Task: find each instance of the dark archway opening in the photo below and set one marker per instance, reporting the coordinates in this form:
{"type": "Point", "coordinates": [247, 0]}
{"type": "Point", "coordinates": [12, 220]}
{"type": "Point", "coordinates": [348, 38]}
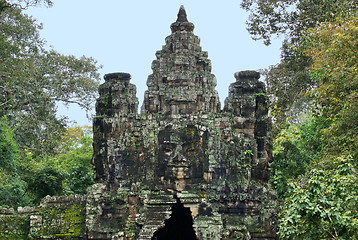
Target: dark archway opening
{"type": "Point", "coordinates": [178, 227]}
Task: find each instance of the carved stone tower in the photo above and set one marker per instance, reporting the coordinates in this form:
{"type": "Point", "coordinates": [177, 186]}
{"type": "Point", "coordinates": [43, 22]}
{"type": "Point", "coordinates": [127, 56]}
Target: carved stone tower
{"type": "Point", "coordinates": [183, 168]}
{"type": "Point", "coordinates": [181, 82]}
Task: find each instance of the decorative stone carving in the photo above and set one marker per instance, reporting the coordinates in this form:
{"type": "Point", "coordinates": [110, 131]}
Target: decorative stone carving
{"type": "Point", "coordinates": [182, 169]}
{"type": "Point", "coordinates": [183, 152]}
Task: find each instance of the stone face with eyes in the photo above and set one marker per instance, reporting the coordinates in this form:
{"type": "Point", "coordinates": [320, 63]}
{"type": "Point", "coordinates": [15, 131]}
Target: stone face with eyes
{"type": "Point", "coordinates": [181, 156]}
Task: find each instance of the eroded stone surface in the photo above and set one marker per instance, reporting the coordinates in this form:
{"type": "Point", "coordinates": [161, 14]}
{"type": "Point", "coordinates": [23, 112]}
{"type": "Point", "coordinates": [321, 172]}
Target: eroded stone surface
{"type": "Point", "coordinates": [182, 150]}
{"type": "Point", "coordinates": [184, 147]}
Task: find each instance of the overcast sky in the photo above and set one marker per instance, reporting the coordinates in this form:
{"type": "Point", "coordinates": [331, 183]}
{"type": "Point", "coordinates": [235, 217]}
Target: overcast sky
{"type": "Point", "coordinates": [123, 36]}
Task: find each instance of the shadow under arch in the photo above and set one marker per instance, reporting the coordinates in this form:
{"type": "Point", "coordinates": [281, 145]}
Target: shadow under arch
{"type": "Point", "coordinates": [179, 226]}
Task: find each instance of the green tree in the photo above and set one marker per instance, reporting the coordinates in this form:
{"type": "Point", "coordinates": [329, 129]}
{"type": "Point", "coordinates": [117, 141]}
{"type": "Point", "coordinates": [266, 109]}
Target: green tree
{"type": "Point", "coordinates": [75, 159]}
{"type": "Point", "coordinates": [23, 4]}
{"type": "Point", "coordinates": [288, 81]}
{"type": "Point", "coordinates": [323, 204]}
{"type": "Point", "coordinates": [12, 187]}
{"type": "Point", "coordinates": [68, 172]}
{"type": "Point", "coordinates": [295, 147]}
{"type": "Point", "coordinates": [34, 80]}
{"type": "Point", "coordinates": [333, 48]}
{"type": "Point", "coordinates": [43, 177]}
{"type": "Point", "coordinates": [319, 63]}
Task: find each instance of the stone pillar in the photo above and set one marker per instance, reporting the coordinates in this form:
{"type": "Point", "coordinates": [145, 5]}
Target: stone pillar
{"type": "Point", "coordinates": [247, 101]}
{"type": "Point", "coordinates": [117, 97]}
{"type": "Point", "coordinates": [116, 108]}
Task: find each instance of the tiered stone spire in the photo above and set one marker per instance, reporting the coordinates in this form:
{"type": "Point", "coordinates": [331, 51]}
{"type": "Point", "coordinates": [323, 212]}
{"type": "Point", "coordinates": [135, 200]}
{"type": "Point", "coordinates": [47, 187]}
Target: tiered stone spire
{"type": "Point", "coordinates": [182, 22]}
{"type": "Point", "coordinates": [182, 15]}
{"type": "Point", "coordinates": [181, 82]}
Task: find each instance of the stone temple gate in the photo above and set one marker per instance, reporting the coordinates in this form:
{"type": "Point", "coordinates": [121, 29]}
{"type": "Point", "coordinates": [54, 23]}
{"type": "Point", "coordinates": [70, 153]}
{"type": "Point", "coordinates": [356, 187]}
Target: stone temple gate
{"type": "Point", "coordinates": [183, 154]}
{"type": "Point", "coordinates": [184, 168]}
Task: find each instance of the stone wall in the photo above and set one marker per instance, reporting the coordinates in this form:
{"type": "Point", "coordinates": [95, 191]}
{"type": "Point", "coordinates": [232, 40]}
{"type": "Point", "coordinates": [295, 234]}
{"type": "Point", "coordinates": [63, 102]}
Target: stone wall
{"type": "Point", "coordinates": [55, 218]}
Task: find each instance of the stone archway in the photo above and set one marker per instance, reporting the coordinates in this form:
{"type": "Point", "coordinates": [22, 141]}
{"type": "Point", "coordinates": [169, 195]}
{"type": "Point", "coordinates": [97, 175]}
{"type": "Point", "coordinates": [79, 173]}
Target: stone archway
{"type": "Point", "coordinates": [179, 226]}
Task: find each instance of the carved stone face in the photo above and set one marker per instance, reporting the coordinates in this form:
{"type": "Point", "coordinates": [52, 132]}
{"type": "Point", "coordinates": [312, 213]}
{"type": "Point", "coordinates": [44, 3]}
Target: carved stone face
{"type": "Point", "coordinates": [181, 156]}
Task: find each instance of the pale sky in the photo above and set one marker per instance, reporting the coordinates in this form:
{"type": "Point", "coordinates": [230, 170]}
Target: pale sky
{"type": "Point", "coordinates": [123, 36]}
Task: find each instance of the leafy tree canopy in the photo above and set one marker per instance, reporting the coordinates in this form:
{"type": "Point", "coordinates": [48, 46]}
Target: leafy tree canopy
{"type": "Point", "coordinates": [292, 17]}
{"type": "Point", "coordinates": [318, 71]}
{"type": "Point", "coordinates": [323, 204]}
{"type": "Point", "coordinates": [34, 79]}
{"type": "Point", "coordinates": [23, 4]}
{"type": "Point", "coordinates": [289, 81]}
{"type": "Point", "coordinates": [66, 173]}
{"type": "Point", "coordinates": [333, 48]}
{"type": "Point", "coordinates": [25, 179]}
{"type": "Point", "coordinates": [294, 148]}
{"type": "Point", "coordinates": [39, 154]}
{"type": "Point", "coordinates": [12, 187]}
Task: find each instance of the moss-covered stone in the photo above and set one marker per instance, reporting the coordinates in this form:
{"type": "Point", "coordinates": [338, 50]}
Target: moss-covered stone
{"type": "Point", "coordinates": [183, 146]}
{"type": "Point", "coordinates": [14, 227]}
{"type": "Point", "coordinates": [183, 149]}
{"type": "Point", "coordinates": [59, 218]}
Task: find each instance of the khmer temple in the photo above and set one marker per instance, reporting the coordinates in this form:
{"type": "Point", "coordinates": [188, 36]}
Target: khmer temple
{"type": "Point", "coordinates": [182, 166]}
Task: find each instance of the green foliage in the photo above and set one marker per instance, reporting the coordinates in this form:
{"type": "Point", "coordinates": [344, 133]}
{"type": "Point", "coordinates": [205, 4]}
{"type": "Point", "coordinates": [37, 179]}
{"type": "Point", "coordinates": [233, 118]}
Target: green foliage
{"type": "Point", "coordinates": [43, 178]}
{"type": "Point", "coordinates": [25, 179]}
{"type": "Point", "coordinates": [75, 160]}
{"type": "Point", "coordinates": [292, 17]}
{"type": "Point", "coordinates": [288, 161]}
{"type": "Point", "coordinates": [333, 47]}
{"type": "Point", "coordinates": [323, 204]}
{"type": "Point", "coordinates": [318, 71]}
{"type": "Point", "coordinates": [288, 81]}
{"type": "Point", "coordinates": [34, 80]}
{"type": "Point", "coordinates": [23, 4]}
{"type": "Point", "coordinates": [294, 148]}
{"type": "Point", "coordinates": [35, 158]}
{"type": "Point", "coordinates": [12, 187]}
{"type": "Point", "coordinates": [68, 172]}
{"type": "Point", "coordinates": [14, 227]}
{"type": "Point", "coordinates": [8, 147]}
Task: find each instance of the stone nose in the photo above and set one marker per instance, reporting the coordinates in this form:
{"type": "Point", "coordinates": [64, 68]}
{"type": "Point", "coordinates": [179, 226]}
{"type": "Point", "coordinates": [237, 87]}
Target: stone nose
{"type": "Point", "coordinates": [179, 158]}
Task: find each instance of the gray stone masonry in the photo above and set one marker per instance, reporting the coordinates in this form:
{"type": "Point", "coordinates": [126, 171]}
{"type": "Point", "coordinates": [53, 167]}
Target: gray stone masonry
{"type": "Point", "coordinates": [181, 169]}
{"type": "Point", "coordinates": [183, 148]}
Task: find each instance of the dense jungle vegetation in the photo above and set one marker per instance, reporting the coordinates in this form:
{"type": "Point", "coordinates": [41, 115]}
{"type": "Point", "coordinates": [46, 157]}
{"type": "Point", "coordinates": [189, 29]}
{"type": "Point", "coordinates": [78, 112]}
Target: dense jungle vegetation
{"type": "Point", "coordinates": [39, 154]}
{"type": "Point", "coordinates": [313, 95]}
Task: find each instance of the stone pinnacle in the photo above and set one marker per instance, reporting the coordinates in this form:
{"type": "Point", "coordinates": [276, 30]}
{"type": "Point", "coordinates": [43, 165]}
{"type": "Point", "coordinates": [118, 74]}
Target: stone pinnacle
{"type": "Point", "coordinates": [182, 15]}
{"type": "Point", "coordinates": [182, 23]}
